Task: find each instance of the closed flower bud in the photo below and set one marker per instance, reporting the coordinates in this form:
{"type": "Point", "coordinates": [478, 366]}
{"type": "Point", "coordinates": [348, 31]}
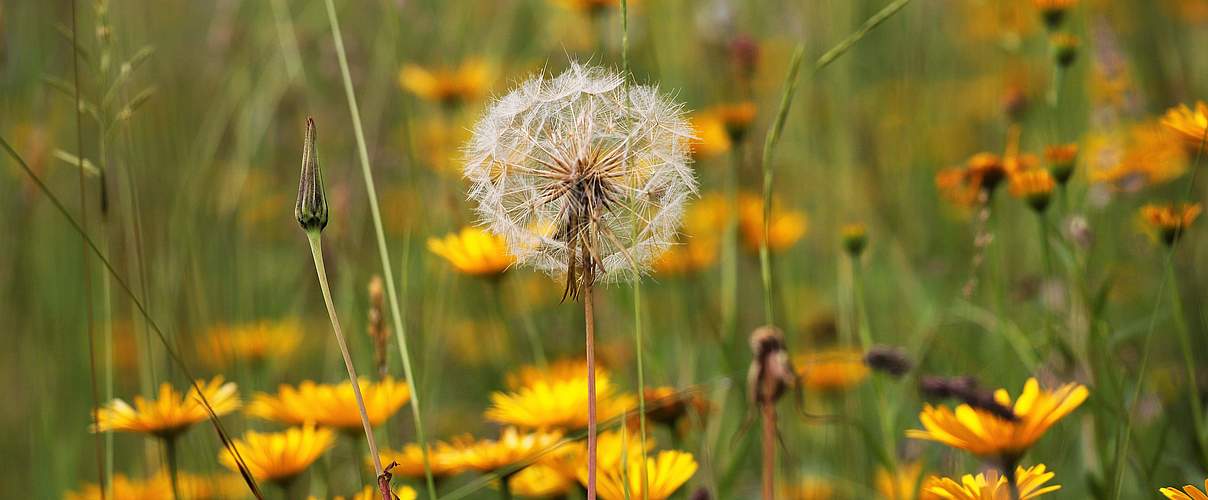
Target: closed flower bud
{"type": "Point", "coordinates": [1065, 49]}
{"type": "Point", "coordinates": [855, 239]}
{"type": "Point", "coordinates": [888, 360]}
{"type": "Point", "coordinates": [311, 209]}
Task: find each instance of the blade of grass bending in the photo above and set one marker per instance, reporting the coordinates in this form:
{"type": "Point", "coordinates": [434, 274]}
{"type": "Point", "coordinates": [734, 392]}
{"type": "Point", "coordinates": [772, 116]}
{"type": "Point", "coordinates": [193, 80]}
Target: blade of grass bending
{"type": "Point", "coordinates": [847, 43]}
{"type": "Point", "coordinates": [379, 233]}
{"type": "Point", "coordinates": [1126, 433]}
{"type": "Point", "coordinates": [129, 292]}
{"type": "Point", "coordinates": [769, 146]}
{"type": "Point", "coordinates": [102, 449]}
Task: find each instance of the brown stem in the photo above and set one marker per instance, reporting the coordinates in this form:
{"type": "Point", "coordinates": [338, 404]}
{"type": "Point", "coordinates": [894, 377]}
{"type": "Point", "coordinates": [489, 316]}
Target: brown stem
{"type": "Point", "coordinates": [589, 321]}
{"type": "Point", "coordinates": [769, 450]}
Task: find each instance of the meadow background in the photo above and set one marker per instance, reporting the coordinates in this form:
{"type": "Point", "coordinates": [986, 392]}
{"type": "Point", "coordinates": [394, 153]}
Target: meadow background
{"type": "Point", "coordinates": [196, 155]}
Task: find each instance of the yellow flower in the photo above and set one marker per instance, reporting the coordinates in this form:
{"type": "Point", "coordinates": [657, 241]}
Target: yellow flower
{"type": "Point", "coordinates": [986, 435]}
{"type": "Point", "coordinates": [784, 230]}
{"type": "Point", "coordinates": [1147, 155]}
{"type": "Point", "coordinates": [1170, 220]}
{"type": "Point", "coordinates": [123, 488]}
{"type": "Point", "coordinates": [588, 6]}
{"type": "Point", "coordinates": [1033, 186]}
{"type": "Point", "coordinates": [557, 404]}
{"type": "Point", "coordinates": [854, 238]}
{"type": "Point", "coordinates": [667, 405]}
{"type": "Point", "coordinates": [253, 342]}
{"type": "Point", "coordinates": [169, 414]}
{"type": "Point", "coordinates": [512, 447]}
{"type": "Point", "coordinates": [1060, 158]}
{"type": "Point", "coordinates": [832, 370]}
{"type": "Point", "coordinates": [448, 86]}
{"type": "Point", "coordinates": [539, 480]}
{"type": "Point", "coordinates": [440, 143]}
{"type": "Point", "coordinates": [903, 484]}
{"type": "Point", "coordinates": [1190, 125]}
{"type": "Point", "coordinates": [279, 456]}
{"type": "Point", "coordinates": [1190, 492]}
{"type": "Point", "coordinates": [331, 405]}
{"type": "Point", "coordinates": [473, 251]}
{"type": "Point", "coordinates": [444, 460]}
{"type": "Point", "coordinates": [562, 370]}
{"type": "Point", "coordinates": [372, 493]}
{"type": "Point", "coordinates": [810, 488]}
{"type": "Point", "coordinates": [990, 486]}
{"type": "Point", "coordinates": [665, 473]}
{"type": "Point", "coordinates": [612, 448]}
{"type": "Point", "coordinates": [693, 256]}
{"type": "Point", "coordinates": [719, 127]}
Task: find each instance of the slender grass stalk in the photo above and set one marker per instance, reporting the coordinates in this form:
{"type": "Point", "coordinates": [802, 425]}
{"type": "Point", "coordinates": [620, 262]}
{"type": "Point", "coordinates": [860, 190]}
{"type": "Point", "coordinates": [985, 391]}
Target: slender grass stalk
{"type": "Point", "coordinates": [638, 344]}
{"type": "Point", "coordinates": [142, 309]}
{"type": "Point", "coordinates": [316, 251]}
{"type": "Point", "coordinates": [729, 248]}
{"type": "Point", "coordinates": [383, 253]}
{"type": "Point", "coordinates": [1126, 432]}
{"type": "Point", "coordinates": [105, 448]}
{"type": "Point", "coordinates": [769, 146]}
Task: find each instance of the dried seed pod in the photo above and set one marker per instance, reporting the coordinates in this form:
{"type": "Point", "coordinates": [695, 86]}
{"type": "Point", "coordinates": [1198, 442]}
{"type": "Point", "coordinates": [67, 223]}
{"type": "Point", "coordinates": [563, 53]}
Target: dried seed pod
{"type": "Point", "coordinates": [771, 372]}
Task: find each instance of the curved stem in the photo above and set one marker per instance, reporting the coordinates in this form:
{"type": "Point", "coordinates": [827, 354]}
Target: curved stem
{"type": "Point", "coordinates": [379, 233]}
{"type": "Point", "coordinates": [316, 251]}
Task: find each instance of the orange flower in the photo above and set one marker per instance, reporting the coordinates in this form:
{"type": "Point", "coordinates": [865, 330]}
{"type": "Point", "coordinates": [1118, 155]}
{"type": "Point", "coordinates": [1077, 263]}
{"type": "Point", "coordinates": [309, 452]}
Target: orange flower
{"type": "Point", "coordinates": [448, 86]}
{"type": "Point", "coordinates": [1033, 186]}
{"type": "Point", "coordinates": [1188, 124]}
{"type": "Point", "coordinates": [1169, 220]}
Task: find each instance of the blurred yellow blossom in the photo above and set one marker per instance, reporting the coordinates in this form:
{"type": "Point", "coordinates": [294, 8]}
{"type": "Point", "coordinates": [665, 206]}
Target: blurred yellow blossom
{"type": "Point", "coordinates": [279, 456]}
{"type": "Point", "coordinates": [331, 405]}
{"type": "Point", "coordinates": [473, 251]}
{"type": "Point", "coordinates": [170, 413]}
{"type": "Point", "coordinates": [785, 229]}
{"type": "Point", "coordinates": [449, 86]}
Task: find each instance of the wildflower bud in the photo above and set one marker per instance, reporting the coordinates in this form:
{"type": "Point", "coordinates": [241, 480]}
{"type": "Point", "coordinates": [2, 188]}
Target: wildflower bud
{"type": "Point", "coordinates": [311, 209]}
{"type": "Point", "coordinates": [984, 400]}
{"type": "Point", "coordinates": [889, 360]}
{"type": "Point", "coordinates": [1171, 220]}
{"type": "Point", "coordinates": [1065, 49]}
{"type": "Point", "coordinates": [937, 387]}
{"type": "Point", "coordinates": [1053, 12]}
{"type": "Point", "coordinates": [1061, 158]}
{"type": "Point", "coordinates": [855, 239]}
{"type": "Point", "coordinates": [1033, 186]}
{"type": "Point", "coordinates": [744, 54]}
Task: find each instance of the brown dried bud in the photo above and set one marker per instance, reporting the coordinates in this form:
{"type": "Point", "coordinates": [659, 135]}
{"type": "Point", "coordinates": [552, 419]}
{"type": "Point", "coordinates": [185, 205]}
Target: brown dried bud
{"type": "Point", "coordinates": [378, 331]}
{"type": "Point", "coordinates": [966, 390]}
{"type": "Point", "coordinates": [311, 208]}
{"type": "Point", "coordinates": [889, 360]}
{"type": "Point", "coordinates": [771, 372]}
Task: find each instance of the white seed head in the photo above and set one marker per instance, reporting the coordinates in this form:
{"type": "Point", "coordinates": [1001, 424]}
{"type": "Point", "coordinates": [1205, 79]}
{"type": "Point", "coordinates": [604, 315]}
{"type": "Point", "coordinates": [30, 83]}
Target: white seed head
{"type": "Point", "coordinates": [579, 161]}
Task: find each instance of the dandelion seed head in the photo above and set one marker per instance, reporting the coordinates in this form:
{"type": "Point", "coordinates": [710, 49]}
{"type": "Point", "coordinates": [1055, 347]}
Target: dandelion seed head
{"type": "Point", "coordinates": [582, 160]}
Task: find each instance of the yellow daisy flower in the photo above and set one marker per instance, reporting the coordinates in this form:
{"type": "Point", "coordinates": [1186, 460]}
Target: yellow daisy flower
{"type": "Point", "coordinates": [123, 488]}
{"type": "Point", "coordinates": [903, 484]}
{"type": "Point", "coordinates": [252, 342]}
{"type": "Point", "coordinates": [1189, 492]}
{"type": "Point", "coordinates": [562, 370]}
{"type": "Point", "coordinates": [665, 473]}
{"type": "Point", "coordinates": [473, 251]}
{"type": "Point", "coordinates": [447, 86]}
{"type": "Point", "coordinates": [694, 256]}
{"type": "Point", "coordinates": [1144, 155]}
{"type": "Point", "coordinates": [588, 6]}
{"type": "Point", "coordinates": [512, 447]}
{"type": "Point", "coordinates": [832, 370]}
{"type": "Point", "coordinates": [990, 486]}
{"type": "Point", "coordinates": [372, 493]}
{"type": "Point", "coordinates": [809, 488]}
{"type": "Point", "coordinates": [1171, 220]}
{"type": "Point", "coordinates": [719, 127]}
{"type": "Point", "coordinates": [558, 404]}
{"type": "Point", "coordinates": [1061, 158]}
{"type": "Point", "coordinates": [1034, 187]}
{"type": "Point", "coordinates": [279, 456]}
{"type": "Point", "coordinates": [786, 227]}
{"type": "Point", "coordinates": [612, 448]}
{"type": "Point", "coordinates": [539, 481]}
{"type": "Point", "coordinates": [1188, 124]}
{"type": "Point", "coordinates": [986, 435]}
{"type": "Point", "coordinates": [331, 405]}
{"type": "Point", "coordinates": [170, 413]}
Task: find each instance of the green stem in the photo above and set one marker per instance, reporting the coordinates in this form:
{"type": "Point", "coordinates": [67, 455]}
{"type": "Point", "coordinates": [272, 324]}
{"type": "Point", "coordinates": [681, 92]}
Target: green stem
{"type": "Point", "coordinates": [1193, 388]}
{"type": "Point", "coordinates": [530, 333]}
{"type": "Point", "coordinates": [173, 478]}
{"type": "Point", "coordinates": [316, 251]}
{"type": "Point", "coordinates": [729, 248]}
{"type": "Point", "coordinates": [379, 233]}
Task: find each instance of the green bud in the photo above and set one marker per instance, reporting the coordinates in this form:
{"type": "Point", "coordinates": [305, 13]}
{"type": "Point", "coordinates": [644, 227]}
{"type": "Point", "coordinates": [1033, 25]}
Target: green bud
{"type": "Point", "coordinates": [311, 209]}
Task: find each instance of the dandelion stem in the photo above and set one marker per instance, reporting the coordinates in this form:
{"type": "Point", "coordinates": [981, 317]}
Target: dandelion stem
{"type": "Point", "coordinates": [769, 450]}
{"type": "Point", "coordinates": [379, 233]}
{"type": "Point", "coordinates": [589, 322]}
{"type": "Point", "coordinates": [316, 251]}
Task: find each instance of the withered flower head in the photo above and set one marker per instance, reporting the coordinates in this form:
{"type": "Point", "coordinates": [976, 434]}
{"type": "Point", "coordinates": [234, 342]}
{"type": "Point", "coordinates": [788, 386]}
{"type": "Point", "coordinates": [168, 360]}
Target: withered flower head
{"type": "Point", "coordinates": [581, 174]}
{"type": "Point", "coordinates": [771, 372]}
{"type": "Point", "coordinates": [311, 209]}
